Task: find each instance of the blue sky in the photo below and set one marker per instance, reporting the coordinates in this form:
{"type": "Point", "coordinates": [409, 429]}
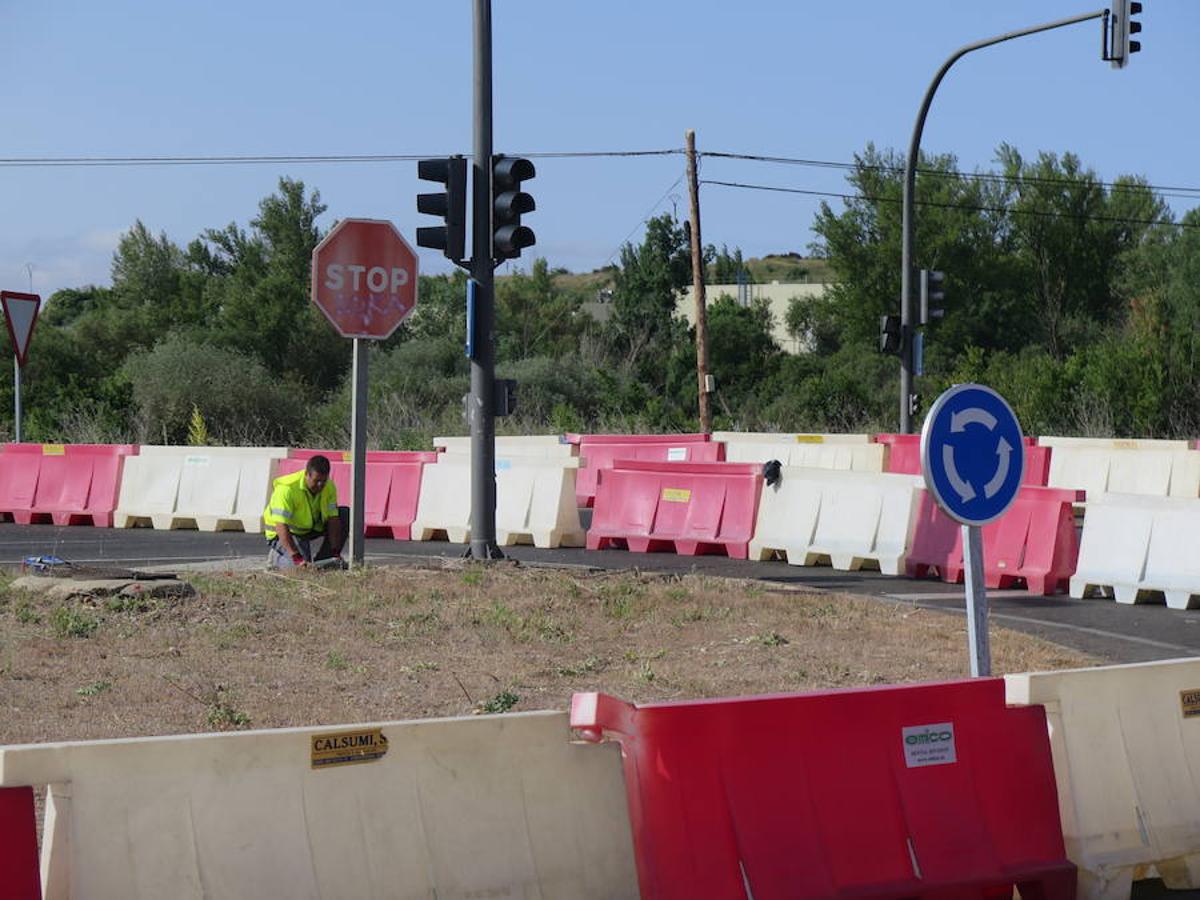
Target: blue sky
{"type": "Point", "coordinates": [777, 77]}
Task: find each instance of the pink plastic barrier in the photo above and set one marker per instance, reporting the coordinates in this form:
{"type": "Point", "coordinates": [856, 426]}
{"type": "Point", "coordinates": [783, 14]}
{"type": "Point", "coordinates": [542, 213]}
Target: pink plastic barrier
{"type": "Point", "coordinates": [1035, 541]}
{"type": "Point", "coordinates": [19, 878]}
{"type": "Point", "coordinates": [601, 451]}
{"type": "Point", "coordinates": [916, 792]}
{"type": "Point", "coordinates": [392, 490]}
{"type": "Point", "coordinates": [67, 484]}
{"type": "Point", "coordinates": [904, 457]}
{"type": "Point", "coordinates": [691, 508]}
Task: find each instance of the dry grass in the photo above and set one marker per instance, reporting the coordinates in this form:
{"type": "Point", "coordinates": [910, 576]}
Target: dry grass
{"type": "Point", "coordinates": [266, 650]}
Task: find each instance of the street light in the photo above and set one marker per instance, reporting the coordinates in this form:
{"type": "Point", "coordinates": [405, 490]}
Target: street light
{"type": "Point", "coordinates": [907, 300]}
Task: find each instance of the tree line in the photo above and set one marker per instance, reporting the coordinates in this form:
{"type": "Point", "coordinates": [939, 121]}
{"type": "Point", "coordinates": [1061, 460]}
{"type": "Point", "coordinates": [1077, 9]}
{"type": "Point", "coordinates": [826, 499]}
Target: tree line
{"type": "Point", "coordinates": [1077, 299]}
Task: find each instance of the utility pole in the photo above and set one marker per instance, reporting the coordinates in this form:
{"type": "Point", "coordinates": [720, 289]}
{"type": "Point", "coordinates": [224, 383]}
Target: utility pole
{"type": "Point", "coordinates": [907, 294]}
{"type": "Point", "coordinates": [698, 286]}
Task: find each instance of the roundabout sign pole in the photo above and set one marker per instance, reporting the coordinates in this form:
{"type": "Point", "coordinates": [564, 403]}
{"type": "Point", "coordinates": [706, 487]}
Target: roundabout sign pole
{"type": "Point", "coordinates": [973, 459]}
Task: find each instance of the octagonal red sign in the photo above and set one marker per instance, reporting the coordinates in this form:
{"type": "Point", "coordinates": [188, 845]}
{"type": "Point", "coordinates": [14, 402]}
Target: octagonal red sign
{"type": "Point", "coordinates": [364, 278]}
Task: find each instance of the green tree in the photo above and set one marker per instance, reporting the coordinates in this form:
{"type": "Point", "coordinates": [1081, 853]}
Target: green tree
{"type": "Point", "coordinates": [534, 317]}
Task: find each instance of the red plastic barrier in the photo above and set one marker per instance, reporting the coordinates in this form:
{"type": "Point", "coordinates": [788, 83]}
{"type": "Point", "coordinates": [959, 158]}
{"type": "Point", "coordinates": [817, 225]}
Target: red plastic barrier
{"type": "Point", "coordinates": [601, 451]}
{"type": "Point", "coordinates": [19, 878]}
{"type": "Point", "coordinates": [67, 484]}
{"type": "Point", "coordinates": [936, 790]}
{"type": "Point", "coordinates": [392, 489]}
{"type": "Point", "coordinates": [1035, 541]}
{"type": "Point", "coordinates": [691, 508]}
{"type": "Point", "coordinates": [904, 457]}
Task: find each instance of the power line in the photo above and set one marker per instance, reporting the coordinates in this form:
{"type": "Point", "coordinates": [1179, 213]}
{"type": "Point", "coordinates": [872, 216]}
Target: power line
{"type": "Point", "coordinates": [1189, 193]}
{"type": "Point", "coordinates": [137, 161]}
{"type": "Point", "coordinates": [1037, 213]}
{"type": "Point", "coordinates": [645, 218]}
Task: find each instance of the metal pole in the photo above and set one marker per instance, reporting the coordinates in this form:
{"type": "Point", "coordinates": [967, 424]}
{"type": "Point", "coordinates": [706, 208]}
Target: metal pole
{"type": "Point", "coordinates": [358, 442]}
{"type": "Point", "coordinates": [698, 286]}
{"type": "Point", "coordinates": [482, 404]}
{"type": "Point", "coordinates": [17, 399]}
{"type": "Point", "coordinates": [907, 300]}
{"type": "Point", "coordinates": [977, 604]}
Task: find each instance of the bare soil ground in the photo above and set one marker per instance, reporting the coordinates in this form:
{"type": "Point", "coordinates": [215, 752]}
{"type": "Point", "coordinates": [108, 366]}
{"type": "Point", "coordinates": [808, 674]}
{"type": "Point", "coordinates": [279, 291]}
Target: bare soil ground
{"type": "Point", "coordinates": [266, 650]}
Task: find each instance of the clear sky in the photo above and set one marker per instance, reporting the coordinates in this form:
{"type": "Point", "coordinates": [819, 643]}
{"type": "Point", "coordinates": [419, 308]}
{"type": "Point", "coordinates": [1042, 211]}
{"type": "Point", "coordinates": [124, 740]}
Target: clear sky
{"type": "Point", "coordinates": [794, 78]}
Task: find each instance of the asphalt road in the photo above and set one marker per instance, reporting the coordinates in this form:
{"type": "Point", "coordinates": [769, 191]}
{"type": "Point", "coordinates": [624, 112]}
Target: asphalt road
{"type": "Point", "coordinates": [1100, 627]}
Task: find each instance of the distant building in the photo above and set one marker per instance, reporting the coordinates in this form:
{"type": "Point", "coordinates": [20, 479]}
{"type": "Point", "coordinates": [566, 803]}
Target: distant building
{"type": "Point", "coordinates": [776, 294]}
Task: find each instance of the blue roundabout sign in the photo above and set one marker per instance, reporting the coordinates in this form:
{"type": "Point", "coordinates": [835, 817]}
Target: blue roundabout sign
{"type": "Point", "coordinates": [972, 453]}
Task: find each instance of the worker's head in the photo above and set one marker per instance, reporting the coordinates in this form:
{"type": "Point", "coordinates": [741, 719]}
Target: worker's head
{"type": "Point", "coordinates": [316, 473]}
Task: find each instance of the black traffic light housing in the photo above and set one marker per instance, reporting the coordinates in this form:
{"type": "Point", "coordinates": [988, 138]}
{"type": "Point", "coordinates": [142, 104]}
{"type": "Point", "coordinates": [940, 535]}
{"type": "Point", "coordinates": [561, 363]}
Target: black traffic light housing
{"type": "Point", "coordinates": [889, 334]}
{"type": "Point", "coordinates": [451, 205]}
{"type": "Point", "coordinates": [509, 203]}
{"type": "Point", "coordinates": [933, 294]}
{"type": "Point", "coordinates": [1124, 27]}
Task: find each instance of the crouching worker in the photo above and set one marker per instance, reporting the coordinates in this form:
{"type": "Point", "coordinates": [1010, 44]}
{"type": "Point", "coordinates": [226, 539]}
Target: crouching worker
{"type": "Point", "coordinates": [303, 508]}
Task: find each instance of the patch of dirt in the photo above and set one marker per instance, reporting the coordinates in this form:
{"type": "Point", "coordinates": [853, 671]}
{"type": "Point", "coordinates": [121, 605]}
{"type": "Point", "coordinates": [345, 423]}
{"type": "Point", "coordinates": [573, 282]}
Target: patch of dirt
{"type": "Point", "coordinates": [270, 650]}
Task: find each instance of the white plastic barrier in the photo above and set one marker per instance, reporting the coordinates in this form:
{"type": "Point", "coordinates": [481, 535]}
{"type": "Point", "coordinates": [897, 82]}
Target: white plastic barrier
{"type": "Point", "coordinates": [486, 806]}
{"type": "Point", "coordinates": [552, 446]}
{"type": "Point", "coordinates": [1151, 472]}
{"type": "Point", "coordinates": [1126, 746]}
{"type": "Point", "coordinates": [1134, 547]}
{"type": "Point", "coordinates": [845, 457]}
{"type": "Point", "coordinates": [535, 501]}
{"type": "Point", "coordinates": [1114, 443]}
{"type": "Point", "coordinates": [849, 517]}
{"type": "Point", "coordinates": [788, 437]}
{"type": "Point", "coordinates": [209, 488]}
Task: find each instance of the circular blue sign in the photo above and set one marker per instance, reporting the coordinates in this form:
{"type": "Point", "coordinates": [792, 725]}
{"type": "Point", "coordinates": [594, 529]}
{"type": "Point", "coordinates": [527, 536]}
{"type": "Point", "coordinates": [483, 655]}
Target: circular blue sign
{"type": "Point", "coordinates": [972, 453]}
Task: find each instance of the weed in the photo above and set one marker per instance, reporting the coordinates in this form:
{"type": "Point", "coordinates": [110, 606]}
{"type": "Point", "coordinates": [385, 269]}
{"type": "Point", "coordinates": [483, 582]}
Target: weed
{"type": "Point", "coordinates": [336, 660]}
{"type": "Point", "coordinates": [223, 714]}
{"type": "Point", "coordinates": [501, 703]}
{"type": "Point", "coordinates": [472, 577]}
{"type": "Point", "coordinates": [25, 613]}
{"type": "Point", "coordinates": [419, 667]}
{"type": "Point", "coordinates": [678, 594]}
{"type": "Point", "coordinates": [95, 689]}
{"type": "Point", "coordinates": [646, 674]}
{"type": "Point", "coordinates": [589, 666]}
{"type": "Point", "coordinates": [230, 637]}
{"type": "Point", "coordinates": [72, 623]}
{"type": "Point", "coordinates": [130, 604]}
{"type": "Point", "coordinates": [771, 639]}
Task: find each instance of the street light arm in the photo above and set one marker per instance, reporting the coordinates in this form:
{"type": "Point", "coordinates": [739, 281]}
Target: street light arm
{"type": "Point", "coordinates": [910, 177]}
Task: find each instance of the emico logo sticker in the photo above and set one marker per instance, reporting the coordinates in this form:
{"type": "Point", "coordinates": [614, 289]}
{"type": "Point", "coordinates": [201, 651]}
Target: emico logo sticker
{"type": "Point", "coordinates": [929, 745]}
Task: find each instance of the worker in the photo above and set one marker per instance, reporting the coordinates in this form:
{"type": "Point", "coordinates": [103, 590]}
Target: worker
{"type": "Point", "coordinates": [303, 507]}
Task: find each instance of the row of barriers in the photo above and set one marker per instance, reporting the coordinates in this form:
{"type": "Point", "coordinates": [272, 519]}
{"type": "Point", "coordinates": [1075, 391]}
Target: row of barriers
{"type": "Point", "coordinates": [826, 501]}
{"type": "Point", "coordinates": [1058, 784]}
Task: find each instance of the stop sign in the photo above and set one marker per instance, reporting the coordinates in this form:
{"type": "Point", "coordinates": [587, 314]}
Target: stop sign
{"type": "Point", "coordinates": [364, 278]}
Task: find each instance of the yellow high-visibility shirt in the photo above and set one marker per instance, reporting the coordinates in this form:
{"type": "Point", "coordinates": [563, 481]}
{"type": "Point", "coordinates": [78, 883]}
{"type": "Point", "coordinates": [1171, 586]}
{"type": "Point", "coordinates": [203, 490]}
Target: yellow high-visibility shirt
{"type": "Point", "coordinates": [302, 512]}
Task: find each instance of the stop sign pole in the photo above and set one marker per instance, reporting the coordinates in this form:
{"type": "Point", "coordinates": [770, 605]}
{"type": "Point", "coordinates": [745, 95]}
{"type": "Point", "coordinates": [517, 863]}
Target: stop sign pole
{"type": "Point", "coordinates": [364, 279]}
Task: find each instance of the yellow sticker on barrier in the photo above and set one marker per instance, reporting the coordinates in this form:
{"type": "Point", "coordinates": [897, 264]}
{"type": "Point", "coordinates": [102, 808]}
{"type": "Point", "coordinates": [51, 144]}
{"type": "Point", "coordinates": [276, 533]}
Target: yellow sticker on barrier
{"type": "Point", "coordinates": [1190, 701]}
{"type": "Point", "coordinates": [346, 748]}
{"type": "Point", "coordinates": [54, 450]}
{"type": "Point", "coordinates": [347, 456]}
{"type": "Point", "coordinates": [810, 439]}
{"type": "Point", "coordinates": [1125, 445]}
{"type": "Point", "coordinates": [677, 495]}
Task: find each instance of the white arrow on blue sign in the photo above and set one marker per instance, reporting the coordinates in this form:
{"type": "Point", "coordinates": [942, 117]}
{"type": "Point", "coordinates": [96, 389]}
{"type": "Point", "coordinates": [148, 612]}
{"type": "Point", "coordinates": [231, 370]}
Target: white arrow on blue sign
{"type": "Point", "coordinates": [972, 454]}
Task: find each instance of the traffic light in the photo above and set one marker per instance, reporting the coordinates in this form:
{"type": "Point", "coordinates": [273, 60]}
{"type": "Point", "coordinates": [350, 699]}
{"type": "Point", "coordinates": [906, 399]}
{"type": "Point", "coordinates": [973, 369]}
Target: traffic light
{"type": "Point", "coordinates": [932, 295]}
{"type": "Point", "coordinates": [509, 203]}
{"type": "Point", "coordinates": [889, 334]}
{"type": "Point", "coordinates": [1123, 29]}
{"type": "Point", "coordinates": [451, 205]}
{"type": "Point", "coordinates": [506, 396]}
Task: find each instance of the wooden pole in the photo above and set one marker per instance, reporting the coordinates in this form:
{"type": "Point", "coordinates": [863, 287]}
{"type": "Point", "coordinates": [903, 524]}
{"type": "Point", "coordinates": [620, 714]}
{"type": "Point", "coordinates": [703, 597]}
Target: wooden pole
{"type": "Point", "coordinates": [698, 287]}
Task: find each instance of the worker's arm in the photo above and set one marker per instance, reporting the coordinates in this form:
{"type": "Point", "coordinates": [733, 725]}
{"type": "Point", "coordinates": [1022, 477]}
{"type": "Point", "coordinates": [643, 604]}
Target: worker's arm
{"type": "Point", "coordinates": [289, 546]}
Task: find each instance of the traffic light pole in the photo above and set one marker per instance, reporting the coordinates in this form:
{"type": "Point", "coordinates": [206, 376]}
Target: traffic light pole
{"type": "Point", "coordinates": [481, 409]}
{"type": "Point", "coordinates": [907, 300]}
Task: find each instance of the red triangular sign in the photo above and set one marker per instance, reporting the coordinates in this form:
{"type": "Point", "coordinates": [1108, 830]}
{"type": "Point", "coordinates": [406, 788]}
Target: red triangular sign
{"type": "Point", "coordinates": [20, 315]}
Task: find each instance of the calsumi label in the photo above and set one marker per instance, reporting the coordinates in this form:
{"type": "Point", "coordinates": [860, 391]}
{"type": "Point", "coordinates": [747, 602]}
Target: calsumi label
{"type": "Point", "coordinates": [929, 745]}
{"type": "Point", "coordinates": [1190, 701]}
